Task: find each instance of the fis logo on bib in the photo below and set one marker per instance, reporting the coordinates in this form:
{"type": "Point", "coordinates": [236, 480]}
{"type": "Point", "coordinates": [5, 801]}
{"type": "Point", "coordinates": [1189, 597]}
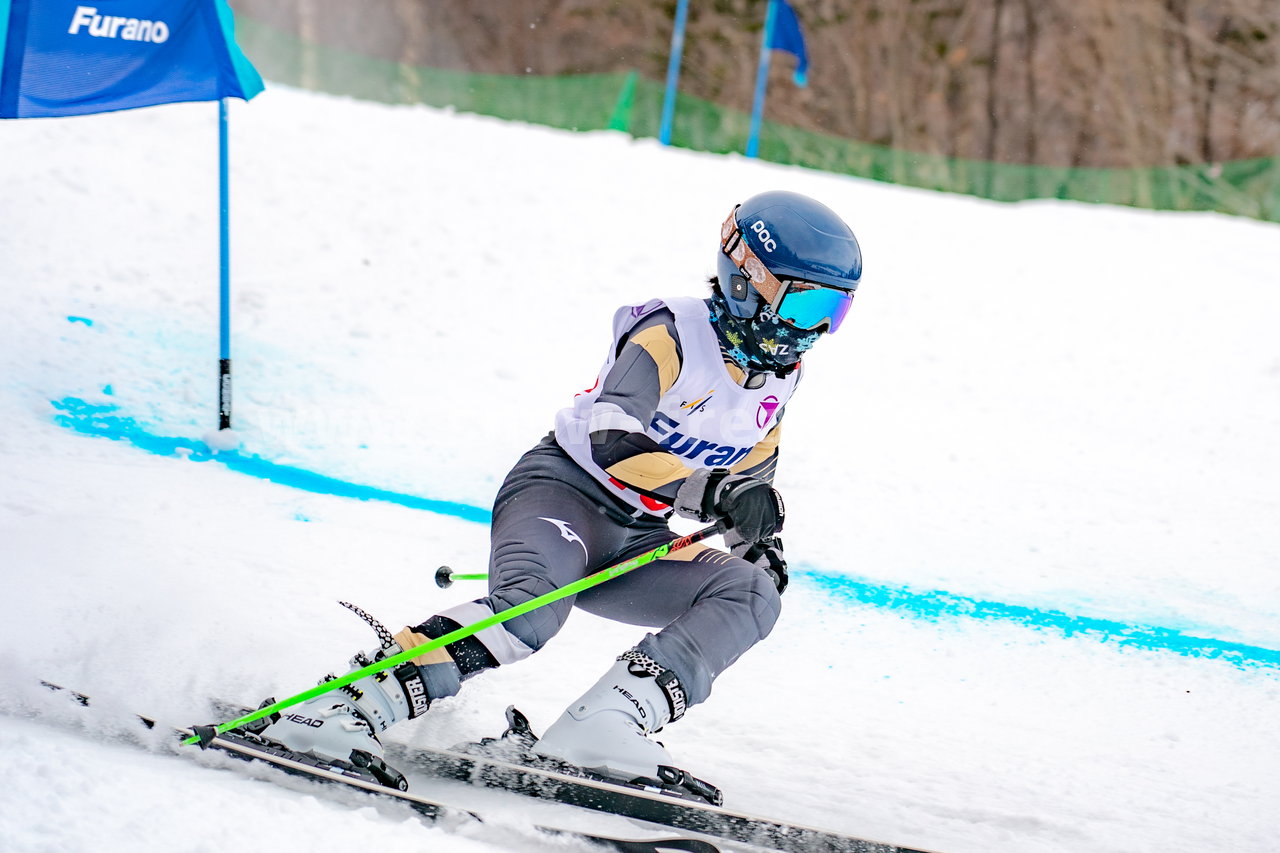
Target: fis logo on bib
{"type": "Point", "coordinates": [695, 406]}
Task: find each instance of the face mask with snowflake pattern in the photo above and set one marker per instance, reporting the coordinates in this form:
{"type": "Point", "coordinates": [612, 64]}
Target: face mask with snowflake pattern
{"type": "Point", "coordinates": [762, 343]}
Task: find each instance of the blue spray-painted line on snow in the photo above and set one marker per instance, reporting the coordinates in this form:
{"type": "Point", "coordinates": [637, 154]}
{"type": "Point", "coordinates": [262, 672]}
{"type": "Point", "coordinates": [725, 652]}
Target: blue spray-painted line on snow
{"type": "Point", "coordinates": [936, 605]}
{"type": "Point", "coordinates": [104, 421]}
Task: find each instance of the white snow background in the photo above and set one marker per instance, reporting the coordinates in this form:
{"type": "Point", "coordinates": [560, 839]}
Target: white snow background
{"type": "Point", "coordinates": [1033, 485]}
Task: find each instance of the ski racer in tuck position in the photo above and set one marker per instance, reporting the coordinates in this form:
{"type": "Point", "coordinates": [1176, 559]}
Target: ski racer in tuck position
{"type": "Point", "coordinates": [684, 417]}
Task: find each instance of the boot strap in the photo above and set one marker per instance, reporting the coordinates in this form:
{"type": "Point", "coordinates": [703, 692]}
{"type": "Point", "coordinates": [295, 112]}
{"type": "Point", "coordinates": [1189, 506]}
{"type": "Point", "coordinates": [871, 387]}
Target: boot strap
{"type": "Point", "coordinates": [665, 678]}
{"type": "Point", "coordinates": [414, 686]}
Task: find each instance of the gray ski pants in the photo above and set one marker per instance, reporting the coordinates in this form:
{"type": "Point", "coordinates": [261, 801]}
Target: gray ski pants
{"type": "Point", "coordinates": [554, 524]}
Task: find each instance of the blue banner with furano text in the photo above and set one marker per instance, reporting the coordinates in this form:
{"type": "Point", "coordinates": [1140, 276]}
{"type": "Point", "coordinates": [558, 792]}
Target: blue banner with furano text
{"type": "Point", "coordinates": [60, 58]}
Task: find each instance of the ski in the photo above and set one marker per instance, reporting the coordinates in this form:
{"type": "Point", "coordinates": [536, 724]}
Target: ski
{"type": "Point", "coordinates": [685, 803]}
{"type": "Point", "coordinates": [381, 782]}
{"type": "Point", "coordinates": [511, 767]}
{"type": "Point", "coordinates": [505, 763]}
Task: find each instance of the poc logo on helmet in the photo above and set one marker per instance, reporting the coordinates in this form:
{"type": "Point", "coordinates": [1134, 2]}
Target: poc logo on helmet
{"type": "Point", "coordinates": [766, 239]}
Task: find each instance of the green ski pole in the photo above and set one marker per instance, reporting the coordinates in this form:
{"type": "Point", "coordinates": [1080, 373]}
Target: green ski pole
{"type": "Point", "coordinates": [204, 734]}
{"type": "Point", "coordinates": [445, 577]}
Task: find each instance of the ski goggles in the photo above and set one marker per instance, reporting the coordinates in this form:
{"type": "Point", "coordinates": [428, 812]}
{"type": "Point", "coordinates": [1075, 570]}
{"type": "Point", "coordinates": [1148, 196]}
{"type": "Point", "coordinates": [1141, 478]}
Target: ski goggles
{"type": "Point", "coordinates": [808, 305]}
{"type": "Point", "coordinates": [803, 304]}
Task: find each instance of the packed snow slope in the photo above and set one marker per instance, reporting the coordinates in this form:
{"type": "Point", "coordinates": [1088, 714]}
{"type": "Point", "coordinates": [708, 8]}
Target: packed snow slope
{"type": "Point", "coordinates": [1032, 484]}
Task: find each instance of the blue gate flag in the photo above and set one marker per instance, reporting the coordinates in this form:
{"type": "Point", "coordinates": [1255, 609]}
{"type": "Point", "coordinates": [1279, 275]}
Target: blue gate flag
{"type": "Point", "coordinates": [787, 37]}
{"type": "Point", "coordinates": [74, 57]}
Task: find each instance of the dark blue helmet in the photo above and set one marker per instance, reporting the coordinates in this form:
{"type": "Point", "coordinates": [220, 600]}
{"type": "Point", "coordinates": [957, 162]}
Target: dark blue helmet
{"type": "Point", "coordinates": [792, 237]}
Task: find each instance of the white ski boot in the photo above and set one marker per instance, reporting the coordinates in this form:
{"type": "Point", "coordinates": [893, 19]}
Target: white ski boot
{"type": "Point", "coordinates": [345, 724]}
{"type": "Point", "coordinates": [606, 730]}
{"type": "Point", "coordinates": [332, 724]}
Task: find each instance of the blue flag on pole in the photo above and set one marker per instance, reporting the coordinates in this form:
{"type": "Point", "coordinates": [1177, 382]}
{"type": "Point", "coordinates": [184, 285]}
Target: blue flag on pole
{"type": "Point", "coordinates": [788, 37]}
{"type": "Point", "coordinates": [64, 58]}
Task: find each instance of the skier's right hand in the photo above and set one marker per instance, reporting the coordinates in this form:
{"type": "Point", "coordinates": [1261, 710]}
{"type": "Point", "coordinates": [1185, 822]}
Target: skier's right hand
{"type": "Point", "coordinates": [750, 506]}
{"type": "Point", "coordinates": [766, 556]}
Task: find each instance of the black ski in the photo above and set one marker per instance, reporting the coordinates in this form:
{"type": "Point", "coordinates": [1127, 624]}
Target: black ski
{"type": "Point", "coordinates": [674, 806]}
{"type": "Point", "coordinates": [375, 782]}
{"type": "Point", "coordinates": [305, 765]}
{"type": "Point", "coordinates": [505, 763]}
{"type": "Point", "coordinates": [504, 767]}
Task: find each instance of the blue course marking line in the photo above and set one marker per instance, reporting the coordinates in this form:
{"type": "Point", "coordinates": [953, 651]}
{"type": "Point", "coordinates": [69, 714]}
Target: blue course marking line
{"type": "Point", "coordinates": [104, 421]}
{"type": "Point", "coordinates": [929, 605]}
{"type": "Point", "coordinates": [934, 605]}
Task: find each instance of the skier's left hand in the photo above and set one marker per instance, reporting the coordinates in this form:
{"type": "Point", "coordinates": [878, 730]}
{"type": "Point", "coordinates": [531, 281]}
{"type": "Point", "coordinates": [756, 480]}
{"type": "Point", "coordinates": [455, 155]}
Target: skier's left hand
{"type": "Point", "coordinates": [766, 555]}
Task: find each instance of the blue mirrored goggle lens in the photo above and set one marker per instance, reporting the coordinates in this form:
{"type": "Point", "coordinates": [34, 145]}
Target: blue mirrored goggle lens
{"type": "Point", "coordinates": [808, 306]}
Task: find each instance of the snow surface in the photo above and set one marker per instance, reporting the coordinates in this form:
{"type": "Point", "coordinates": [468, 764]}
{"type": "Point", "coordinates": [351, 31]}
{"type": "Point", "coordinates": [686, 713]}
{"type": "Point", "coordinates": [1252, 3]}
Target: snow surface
{"type": "Point", "coordinates": [1032, 489]}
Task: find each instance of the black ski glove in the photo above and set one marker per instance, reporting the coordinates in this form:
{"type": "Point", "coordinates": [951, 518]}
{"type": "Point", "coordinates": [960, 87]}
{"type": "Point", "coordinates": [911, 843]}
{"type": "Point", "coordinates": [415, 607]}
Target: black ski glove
{"type": "Point", "coordinates": [767, 556]}
{"type": "Point", "coordinates": [751, 507]}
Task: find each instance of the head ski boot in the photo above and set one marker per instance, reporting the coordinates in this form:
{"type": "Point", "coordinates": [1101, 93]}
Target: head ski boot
{"type": "Point", "coordinates": [606, 730]}
{"type": "Point", "coordinates": [344, 725]}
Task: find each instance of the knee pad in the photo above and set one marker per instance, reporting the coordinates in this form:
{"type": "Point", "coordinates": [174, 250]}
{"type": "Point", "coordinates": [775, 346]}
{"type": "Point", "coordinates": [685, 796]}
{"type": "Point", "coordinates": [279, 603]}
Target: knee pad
{"type": "Point", "coordinates": [749, 585]}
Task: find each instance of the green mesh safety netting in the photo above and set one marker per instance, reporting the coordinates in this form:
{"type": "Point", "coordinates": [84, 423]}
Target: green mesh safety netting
{"type": "Point", "coordinates": [632, 104]}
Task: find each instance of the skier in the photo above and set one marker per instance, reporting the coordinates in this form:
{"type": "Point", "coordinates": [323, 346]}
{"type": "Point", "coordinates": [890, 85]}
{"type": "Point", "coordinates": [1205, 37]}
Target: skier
{"type": "Point", "coordinates": [684, 417]}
